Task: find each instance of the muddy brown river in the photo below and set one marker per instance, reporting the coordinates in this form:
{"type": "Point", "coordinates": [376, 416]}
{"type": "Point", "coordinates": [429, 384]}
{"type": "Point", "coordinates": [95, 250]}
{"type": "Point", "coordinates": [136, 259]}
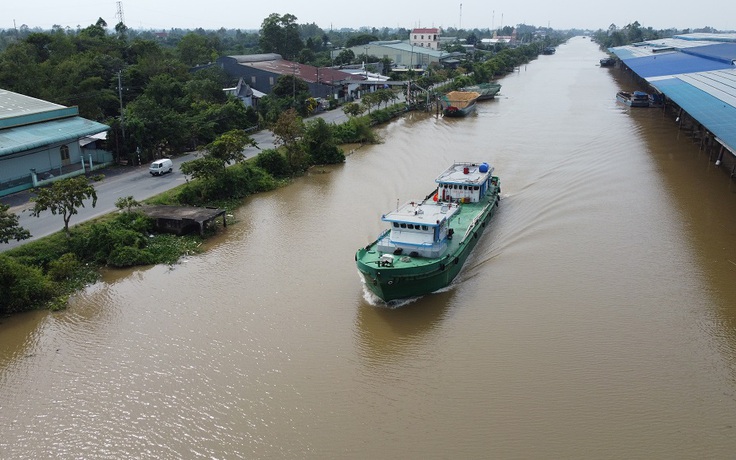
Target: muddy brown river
{"type": "Point", "coordinates": [595, 319]}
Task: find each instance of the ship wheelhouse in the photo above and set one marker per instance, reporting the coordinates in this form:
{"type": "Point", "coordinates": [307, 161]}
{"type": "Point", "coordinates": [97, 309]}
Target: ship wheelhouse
{"type": "Point", "coordinates": [418, 229]}
{"type": "Point", "coordinates": [464, 182]}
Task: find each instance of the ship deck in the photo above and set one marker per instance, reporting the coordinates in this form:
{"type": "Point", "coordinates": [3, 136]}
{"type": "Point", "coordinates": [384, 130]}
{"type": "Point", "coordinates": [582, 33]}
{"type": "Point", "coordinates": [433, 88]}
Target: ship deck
{"type": "Point", "coordinates": [460, 222]}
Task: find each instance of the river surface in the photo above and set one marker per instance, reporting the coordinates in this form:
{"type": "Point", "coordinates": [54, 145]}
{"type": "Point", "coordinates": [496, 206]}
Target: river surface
{"type": "Point", "coordinates": [595, 319]}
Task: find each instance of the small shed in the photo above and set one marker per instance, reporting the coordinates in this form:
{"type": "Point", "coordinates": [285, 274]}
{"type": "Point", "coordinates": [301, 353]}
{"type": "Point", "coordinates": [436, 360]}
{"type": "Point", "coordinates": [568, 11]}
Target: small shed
{"type": "Point", "coordinates": [183, 219]}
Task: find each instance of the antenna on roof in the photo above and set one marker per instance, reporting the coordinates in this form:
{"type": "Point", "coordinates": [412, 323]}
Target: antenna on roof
{"type": "Point", "coordinates": [460, 24]}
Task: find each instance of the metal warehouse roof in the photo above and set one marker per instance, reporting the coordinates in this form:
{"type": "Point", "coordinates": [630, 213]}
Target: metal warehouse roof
{"type": "Point", "coordinates": [672, 64]}
{"type": "Point", "coordinates": [14, 104]}
{"type": "Point", "coordinates": [697, 72]}
{"type": "Point", "coordinates": [308, 73]}
{"type": "Point", "coordinates": [407, 47]}
{"type": "Point", "coordinates": [22, 138]}
{"type": "Point", "coordinates": [709, 97]}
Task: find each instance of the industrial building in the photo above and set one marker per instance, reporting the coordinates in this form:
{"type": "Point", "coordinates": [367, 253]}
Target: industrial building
{"type": "Point", "coordinates": [695, 76]}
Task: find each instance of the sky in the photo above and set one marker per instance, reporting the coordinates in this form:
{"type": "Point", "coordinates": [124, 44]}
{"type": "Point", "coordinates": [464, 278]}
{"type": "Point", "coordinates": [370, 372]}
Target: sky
{"type": "Point", "coordinates": [327, 14]}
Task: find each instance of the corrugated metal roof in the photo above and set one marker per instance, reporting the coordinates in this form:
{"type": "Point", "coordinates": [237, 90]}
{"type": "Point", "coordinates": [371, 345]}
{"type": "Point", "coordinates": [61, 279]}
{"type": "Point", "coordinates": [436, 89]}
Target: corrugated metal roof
{"type": "Point", "coordinates": [671, 64]}
{"type": "Point", "coordinates": [15, 104]}
{"type": "Point", "coordinates": [724, 52]}
{"type": "Point", "coordinates": [308, 73]}
{"type": "Point", "coordinates": [709, 98]}
{"type": "Point", "coordinates": [703, 36]}
{"type": "Point", "coordinates": [22, 138]}
{"type": "Point", "coordinates": [407, 47]}
{"type": "Point", "coordinates": [695, 71]}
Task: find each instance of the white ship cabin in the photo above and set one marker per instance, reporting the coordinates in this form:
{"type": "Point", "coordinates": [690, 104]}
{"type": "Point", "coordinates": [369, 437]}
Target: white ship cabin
{"type": "Point", "coordinates": [418, 229]}
{"type": "Point", "coordinates": [464, 182]}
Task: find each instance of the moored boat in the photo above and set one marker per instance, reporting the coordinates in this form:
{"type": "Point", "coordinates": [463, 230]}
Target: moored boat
{"type": "Point", "coordinates": [635, 99]}
{"type": "Point", "coordinates": [608, 62]}
{"type": "Point", "coordinates": [428, 241]}
{"type": "Point", "coordinates": [459, 103]}
{"type": "Point", "coordinates": [486, 90]}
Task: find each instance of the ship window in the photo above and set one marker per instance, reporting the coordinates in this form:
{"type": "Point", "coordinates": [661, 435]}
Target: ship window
{"type": "Point", "coordinates": [396, 225]}
{"type": "Point", "coordinates": [475, 188]}
{"type": "Point", "coordinates": [425, 228]}
{"type": "Point", "coordinates": [410, 226]}
{"type": "Point", "coordinates": [403, 225]}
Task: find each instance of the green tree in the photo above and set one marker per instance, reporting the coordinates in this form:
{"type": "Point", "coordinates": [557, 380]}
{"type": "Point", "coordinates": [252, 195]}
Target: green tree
{"type": "Point", "coordinates": [368, 100]}
{"type": "Point", "coordinates": [320, 144]}
{"type": "Point", "coordinates": [359, 40]}
{"type": "Point", "coordinates": [288, 86]}
{"type": "Point", "coordinates": [280, 34]}
{"type": "Point", "coordinates": [228, 148]}
{"type": "Point", "coordinates": [218, 155]}
{"type": "Point", "coordinates": [353, 109]}
{"type": "Point", "coordinates": [19, 70]}
{"type": "Point", "coordinates": [195, 49]}
{"type": "Point", "coordinates": [273, 162]}
{"type": "Point", "coordinates": [202, 168]}
{"type": "Point", "coordinates": [9, 228]}
{"type": "Point", "coordinates": [293, 92]}
{"type": "Point", "coordinates": [345, 56]}
{"type": "Point", "coordinates": [127, 203]}
{"type": "Point", "coordinates": [384, 96]}
{"type": "Point", "coordinates": [289, 131]}
{"type": "Point", "coordinates": [64, 197]}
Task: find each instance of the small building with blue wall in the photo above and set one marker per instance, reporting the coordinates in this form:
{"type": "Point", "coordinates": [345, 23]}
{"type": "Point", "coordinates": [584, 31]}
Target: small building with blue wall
{"type": "Point", "coordinates": [41, 142]}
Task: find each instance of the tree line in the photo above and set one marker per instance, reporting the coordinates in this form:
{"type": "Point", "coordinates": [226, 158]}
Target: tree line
{"type": "Point", "coordinates": [634, 33]}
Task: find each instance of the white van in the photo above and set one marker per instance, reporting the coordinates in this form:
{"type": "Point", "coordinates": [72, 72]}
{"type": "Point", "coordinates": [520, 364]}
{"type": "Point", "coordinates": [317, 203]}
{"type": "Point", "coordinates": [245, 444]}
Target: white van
{"type": "Point", "coordinates": [160, 167]}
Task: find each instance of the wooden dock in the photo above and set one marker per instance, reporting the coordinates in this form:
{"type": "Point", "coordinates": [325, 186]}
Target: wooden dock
{"type": "Point", "coordinates": [183, 219]}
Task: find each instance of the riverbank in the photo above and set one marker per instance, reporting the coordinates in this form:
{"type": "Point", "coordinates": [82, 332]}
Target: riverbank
{"type": "Point", "coordinates": [43, 273]}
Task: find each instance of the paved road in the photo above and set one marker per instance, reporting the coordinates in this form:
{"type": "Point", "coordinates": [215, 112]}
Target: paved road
{"type": "Point", "coordinates": [123, 181]}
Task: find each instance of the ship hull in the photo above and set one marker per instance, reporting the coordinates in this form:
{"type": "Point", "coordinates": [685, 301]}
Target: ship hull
{"type": "Point", "coordinates": [456, 112]}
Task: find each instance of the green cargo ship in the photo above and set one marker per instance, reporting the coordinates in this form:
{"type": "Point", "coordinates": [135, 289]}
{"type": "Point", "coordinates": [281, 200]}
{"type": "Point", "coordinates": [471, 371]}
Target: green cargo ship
{"type": "Point", "coordinates": [428, 241]}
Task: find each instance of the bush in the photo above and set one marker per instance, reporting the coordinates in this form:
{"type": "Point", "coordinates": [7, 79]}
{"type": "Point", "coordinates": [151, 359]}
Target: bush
{"type": "Point", "coordinates": [355, 130]}
{"type": "Point", "coordinates": [274, 163]}
{"type": "Point", "coordinates": [129, 256]}
{"type": "Point", "coordinates": [42, 252]}
{"type": "Point", "coordinates": [64, 267]}
{"type": "Point", "coordinates": [238, 181]}
{"type": "Point", "coordinates": [23, 286]}
{"type": "Point", "coordinates": [100, 239]}
{"type": "Point", "coordinates": [320, 143]}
